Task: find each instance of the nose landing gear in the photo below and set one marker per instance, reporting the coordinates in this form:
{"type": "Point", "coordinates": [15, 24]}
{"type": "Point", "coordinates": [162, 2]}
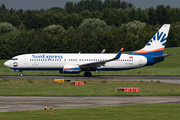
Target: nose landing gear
{"type": "Point", "coordinates": [17, 70]}
{"type": "Point", "coordinates": [21, 74]}
{"type": "Point", "coordinates": [88, 74]}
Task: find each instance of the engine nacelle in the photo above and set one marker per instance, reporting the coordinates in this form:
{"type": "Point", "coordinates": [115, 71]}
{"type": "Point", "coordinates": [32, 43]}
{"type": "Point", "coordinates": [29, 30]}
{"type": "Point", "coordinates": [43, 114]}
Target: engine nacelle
{"type": "Point", "coordinates": [71, 70]}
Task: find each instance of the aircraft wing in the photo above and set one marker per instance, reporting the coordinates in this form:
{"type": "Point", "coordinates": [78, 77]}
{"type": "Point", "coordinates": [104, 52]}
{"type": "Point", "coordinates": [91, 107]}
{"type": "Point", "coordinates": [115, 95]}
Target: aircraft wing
{"type": "Point", "coordinates": [100, 63]}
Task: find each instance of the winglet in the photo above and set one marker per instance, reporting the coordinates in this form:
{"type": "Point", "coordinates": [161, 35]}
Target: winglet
{"type": "Point", "coordinates": [103, 51]}
{"type": "Point", "coordinates": [119, 54]}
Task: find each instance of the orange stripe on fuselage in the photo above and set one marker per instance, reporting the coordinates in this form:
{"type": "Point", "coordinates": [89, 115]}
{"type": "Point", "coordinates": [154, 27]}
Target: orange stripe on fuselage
{"type": "Point", "coordinates": [71, 68]}
{"type": "Point", "coordinates": [144, 51]}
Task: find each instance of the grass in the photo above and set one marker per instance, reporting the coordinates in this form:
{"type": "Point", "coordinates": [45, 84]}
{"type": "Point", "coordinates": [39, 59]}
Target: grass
{"type": "Point", "coordinates": [168, 67]}
{"type": "Point", "coordinates": [31, 87]}
{"type": "Point", "coordinates": [123, 112]}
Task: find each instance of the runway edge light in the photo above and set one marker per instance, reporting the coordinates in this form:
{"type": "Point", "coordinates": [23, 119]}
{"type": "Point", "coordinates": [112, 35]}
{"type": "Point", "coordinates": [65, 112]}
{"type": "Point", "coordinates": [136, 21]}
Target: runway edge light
{"type": "Point", "coordinates": [45, 108]}
{"type": "Point", "coordinates": [51, 109]}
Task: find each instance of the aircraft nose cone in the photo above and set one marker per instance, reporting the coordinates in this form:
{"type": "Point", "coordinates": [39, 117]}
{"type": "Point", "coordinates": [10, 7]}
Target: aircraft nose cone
{"type": "Point", "coordinates": [6, 63]}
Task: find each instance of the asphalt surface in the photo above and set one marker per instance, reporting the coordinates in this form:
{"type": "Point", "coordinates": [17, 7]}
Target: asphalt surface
{"type": "Point", "coordinates": [167, 79]}
{"type": "Point", "coordinates": [14, 103]}
{"type": "Point", "coordinates": [8, 104]}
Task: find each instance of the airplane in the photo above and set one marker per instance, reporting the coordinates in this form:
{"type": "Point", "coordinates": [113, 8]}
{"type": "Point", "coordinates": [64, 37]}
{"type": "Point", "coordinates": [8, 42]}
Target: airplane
{"type": "Point", "coordinates": [69, 63]}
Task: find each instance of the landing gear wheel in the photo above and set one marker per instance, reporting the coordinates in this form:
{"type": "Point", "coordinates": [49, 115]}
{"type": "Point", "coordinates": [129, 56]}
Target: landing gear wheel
{"type": "Point", "coordinates": [88, 74]}
{"type": "Point", "coordinates": [85, 73]}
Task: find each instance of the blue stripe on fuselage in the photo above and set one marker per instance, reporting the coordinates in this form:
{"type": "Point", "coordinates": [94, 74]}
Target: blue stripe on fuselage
{"type": "Point", "coordinates": [149, 56]}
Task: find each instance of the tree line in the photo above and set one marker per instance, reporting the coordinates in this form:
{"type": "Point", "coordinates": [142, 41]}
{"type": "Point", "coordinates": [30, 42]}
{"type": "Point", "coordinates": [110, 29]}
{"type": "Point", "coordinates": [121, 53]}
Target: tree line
{"type": "Point", "coordinates": [87, 26]}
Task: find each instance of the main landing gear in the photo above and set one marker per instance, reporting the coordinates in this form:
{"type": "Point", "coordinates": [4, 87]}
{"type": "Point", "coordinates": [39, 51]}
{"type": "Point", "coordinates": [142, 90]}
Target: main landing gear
{"type": "Point", "coordinates": [88, 74]}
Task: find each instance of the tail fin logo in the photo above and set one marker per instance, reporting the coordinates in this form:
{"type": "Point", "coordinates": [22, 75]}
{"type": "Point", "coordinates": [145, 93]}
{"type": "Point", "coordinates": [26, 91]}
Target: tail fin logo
{"type": "Point", "coordinates": [157, 43]}
{"type": "Point", "coordinates": [159, 39]}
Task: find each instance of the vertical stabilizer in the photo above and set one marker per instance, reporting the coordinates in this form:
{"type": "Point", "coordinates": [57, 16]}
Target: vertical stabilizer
{"type": "Point", "coordinates": [157, 44]}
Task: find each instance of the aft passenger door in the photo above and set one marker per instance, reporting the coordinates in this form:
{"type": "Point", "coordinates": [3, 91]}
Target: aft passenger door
{"type": "Point", "coordinates": [140, 61]}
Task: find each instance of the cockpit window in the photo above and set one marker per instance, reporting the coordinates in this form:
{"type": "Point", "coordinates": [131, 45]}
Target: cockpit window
{"type": "Point", "coordinates": [14, 59]}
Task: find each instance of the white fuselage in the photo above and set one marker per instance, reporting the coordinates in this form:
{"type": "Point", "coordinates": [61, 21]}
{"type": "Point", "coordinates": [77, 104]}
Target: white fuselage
{"type": "Point", "coordinates": [52, 61]}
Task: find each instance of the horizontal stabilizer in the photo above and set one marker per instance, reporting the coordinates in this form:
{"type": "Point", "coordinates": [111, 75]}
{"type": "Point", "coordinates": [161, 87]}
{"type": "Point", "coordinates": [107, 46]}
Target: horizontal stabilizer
{"type": "Point", "coordinates": [162, 56]}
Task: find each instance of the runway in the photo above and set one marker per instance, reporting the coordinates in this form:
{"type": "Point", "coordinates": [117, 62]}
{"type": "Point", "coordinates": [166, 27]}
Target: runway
{"type": "Point", "coordinates": [167, 79]}
{"type": "Point", "coordinates": [14, 103]}
{"type": "Point", "coordinates": [8, 104]}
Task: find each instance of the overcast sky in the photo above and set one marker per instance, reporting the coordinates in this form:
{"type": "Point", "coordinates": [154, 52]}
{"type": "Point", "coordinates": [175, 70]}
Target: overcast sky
{"type": "Point", "coordinates": [39, 4]}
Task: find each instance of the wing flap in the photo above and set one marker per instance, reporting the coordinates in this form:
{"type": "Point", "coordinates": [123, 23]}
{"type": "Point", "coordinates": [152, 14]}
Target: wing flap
{"type": "Point", "coordinates": [93, 64]}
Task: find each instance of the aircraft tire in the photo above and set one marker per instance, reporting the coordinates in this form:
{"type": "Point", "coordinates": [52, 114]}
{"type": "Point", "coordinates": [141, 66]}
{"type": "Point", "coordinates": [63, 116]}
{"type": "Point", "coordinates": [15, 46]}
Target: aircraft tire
{"type": "Point", "coordinates": [88, 74]}
{"type": "Point", "coordinates": [85, 74]}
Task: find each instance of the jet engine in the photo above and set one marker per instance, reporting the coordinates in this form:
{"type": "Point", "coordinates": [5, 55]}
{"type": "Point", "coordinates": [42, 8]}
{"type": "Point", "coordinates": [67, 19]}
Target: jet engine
{"type": "Point", "coordinates": [70, 70]}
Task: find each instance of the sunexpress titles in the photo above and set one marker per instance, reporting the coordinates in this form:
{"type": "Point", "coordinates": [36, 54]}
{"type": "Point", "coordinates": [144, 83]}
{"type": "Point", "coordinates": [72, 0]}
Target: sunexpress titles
{"type": "Point", "coordinates": [47, 56]}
